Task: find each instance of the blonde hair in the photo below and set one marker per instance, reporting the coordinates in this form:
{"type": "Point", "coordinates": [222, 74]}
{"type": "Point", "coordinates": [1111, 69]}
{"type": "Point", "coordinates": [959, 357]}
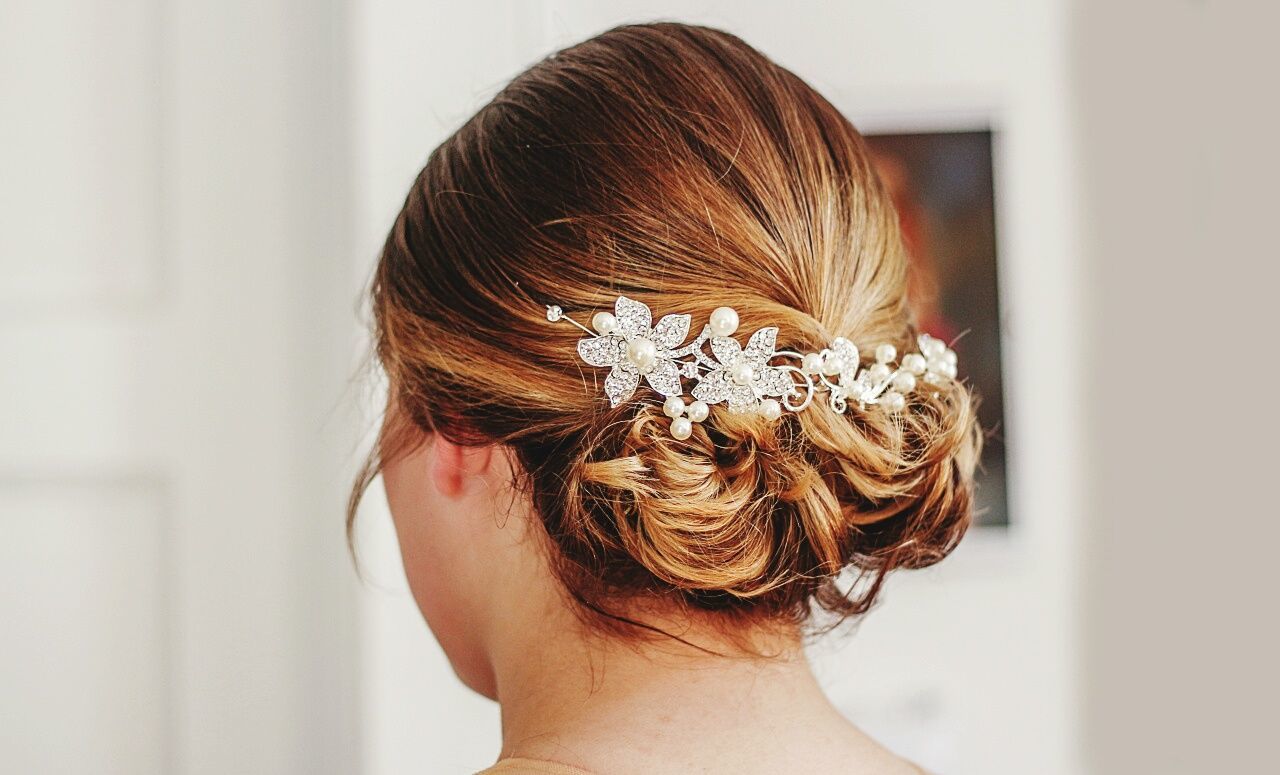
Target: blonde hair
{"type": "Point", "coordinates": [680, 167]}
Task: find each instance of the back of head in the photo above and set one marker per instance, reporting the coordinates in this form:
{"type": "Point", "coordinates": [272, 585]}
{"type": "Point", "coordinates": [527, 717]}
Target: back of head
{"type": "Point", "coordinates": [679, 167]}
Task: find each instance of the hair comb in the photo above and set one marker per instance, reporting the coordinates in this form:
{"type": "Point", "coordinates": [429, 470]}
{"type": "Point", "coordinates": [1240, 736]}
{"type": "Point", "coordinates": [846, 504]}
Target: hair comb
{"type": "Point", "coordinates": [751, 378]}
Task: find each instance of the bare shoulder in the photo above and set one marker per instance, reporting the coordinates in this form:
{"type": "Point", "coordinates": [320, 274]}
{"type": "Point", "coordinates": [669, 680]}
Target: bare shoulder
{"type": "Point", "coordinates": [839, 750]}
{"type": "Point", "coordinates": [856, 752]}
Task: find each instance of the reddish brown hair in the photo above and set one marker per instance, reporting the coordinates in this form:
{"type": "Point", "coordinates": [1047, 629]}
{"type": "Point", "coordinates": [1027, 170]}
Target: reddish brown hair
{"type": "Point", "coordinates": [680, 167]}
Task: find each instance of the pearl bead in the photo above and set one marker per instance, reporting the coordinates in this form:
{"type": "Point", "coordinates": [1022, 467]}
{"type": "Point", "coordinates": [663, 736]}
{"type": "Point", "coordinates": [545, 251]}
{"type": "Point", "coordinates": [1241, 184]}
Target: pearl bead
{"type": "Point", "coordinates": [942, 367]}
{"type": "Point", "coordinates": [878, 373]}
{"type": "Point", "coordinates": [932, 348]}
{"type": "Point", "coordinates": [724, 321]}
{"type": "Point", "coordinates": [770, 409]}
{"type": "Point", "coordinates": [741, 373]}
{"type": "Point", "coordinates": [643, 354]}
{"type": "Point", "coordinates": [811, 363]}
{"type": "Point", "coordinates": [914, 363]}
{"type": "Point", "coordinates": [949, 356]}
{"type": "Point", "coordinates": [698, 411]}
{"type": "Point", "coordinates": [604, 322]}
{"type": "Point", "coordinates": [833, 365]}
{"type": "Point", "coordinates": [681, 428]}
{"type": "Point", "coordinates": [904, 382]}
{"type": "Point", "coordinates": [893, 401]}
{"type": "Point", "coordinates": [885, 353]}
{"type": "Point", "coordinates": [673, 407]}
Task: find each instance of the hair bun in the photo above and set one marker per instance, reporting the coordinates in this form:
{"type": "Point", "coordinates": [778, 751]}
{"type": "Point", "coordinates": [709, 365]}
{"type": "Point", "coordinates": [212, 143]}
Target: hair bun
{"type": "Point", "coordinates": [756, 515]}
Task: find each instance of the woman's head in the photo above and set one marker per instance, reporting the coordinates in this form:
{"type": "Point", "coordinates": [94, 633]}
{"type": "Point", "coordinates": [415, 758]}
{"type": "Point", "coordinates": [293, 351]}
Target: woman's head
{"type": "Point", "coordinates": [679, 167]}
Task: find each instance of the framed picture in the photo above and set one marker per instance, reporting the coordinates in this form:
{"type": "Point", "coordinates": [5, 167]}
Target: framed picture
{"type": "Point", "coordinates": [943, 186]}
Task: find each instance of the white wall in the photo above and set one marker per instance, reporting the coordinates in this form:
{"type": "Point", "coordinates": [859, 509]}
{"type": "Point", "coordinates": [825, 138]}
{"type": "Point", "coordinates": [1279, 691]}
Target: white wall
{"type": "Point", "coordinates": [175, 332]}
{"type": "Point", "coordinates": [970, 666]}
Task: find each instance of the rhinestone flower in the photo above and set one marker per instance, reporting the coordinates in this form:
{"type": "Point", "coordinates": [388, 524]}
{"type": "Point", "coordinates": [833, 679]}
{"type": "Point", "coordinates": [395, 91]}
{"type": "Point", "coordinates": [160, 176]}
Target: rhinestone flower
{"type": "Point", "coordinates": [744, 375]}
{"type": "Point", "coordinates": [635, 349]}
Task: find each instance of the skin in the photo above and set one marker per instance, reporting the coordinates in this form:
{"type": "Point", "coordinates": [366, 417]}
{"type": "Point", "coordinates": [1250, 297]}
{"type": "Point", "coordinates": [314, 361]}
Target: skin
{"type": "Point", "coordinates": [477, 569]}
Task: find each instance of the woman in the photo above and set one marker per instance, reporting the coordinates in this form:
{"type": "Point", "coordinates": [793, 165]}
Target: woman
{"type": "Point", "coordinates": [654, 385]}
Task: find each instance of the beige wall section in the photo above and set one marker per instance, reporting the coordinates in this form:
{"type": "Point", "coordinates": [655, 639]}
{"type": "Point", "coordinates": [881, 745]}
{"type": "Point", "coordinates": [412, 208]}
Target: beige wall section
{"type": "Point", "coordinates": [1178, 117]}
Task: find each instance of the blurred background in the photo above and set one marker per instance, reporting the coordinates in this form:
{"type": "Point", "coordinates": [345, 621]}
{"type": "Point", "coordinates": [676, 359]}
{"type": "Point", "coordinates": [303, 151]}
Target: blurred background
{"type": "Point", "coordinates": [192, 195]}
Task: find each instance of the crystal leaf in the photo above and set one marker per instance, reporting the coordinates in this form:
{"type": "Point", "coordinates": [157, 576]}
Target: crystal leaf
{"type": "Point", "coordinates": [665, 378]}
{"type": "Point", "coordinates": [602, 350]}
{"type": "Point", "coordinates": [713, 388]}
{"type": "Point", "coordinates": [726, 349]}
{"type": "Point", "coordinates": [760, 347]}
{"type": "Point", "coordinates": [772, 382]}
{"type": "Point", "coordinates": [620, 384]}
{"type": "Point", "coordinates": [845, 349]}
{"type": "Point", "coordinates": [633, 317]}
{"type": "Point", "coordinates": [671, 331]}
{"type": "Point", "coordinates": [741, 397]}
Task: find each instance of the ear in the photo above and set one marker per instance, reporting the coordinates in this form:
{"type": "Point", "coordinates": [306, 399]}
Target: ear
{"type": "Point", "coordinates": [455, 469]}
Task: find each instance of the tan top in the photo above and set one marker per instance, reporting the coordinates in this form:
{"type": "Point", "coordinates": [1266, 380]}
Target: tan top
{"type": "Point", "coordinates": [518, 766]}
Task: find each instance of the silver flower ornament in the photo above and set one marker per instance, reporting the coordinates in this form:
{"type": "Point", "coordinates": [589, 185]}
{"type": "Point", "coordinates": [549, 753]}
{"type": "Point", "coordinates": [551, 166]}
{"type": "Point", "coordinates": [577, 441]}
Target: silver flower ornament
{"type": "Point", "coordinates": [634, 349]}
{"type": "Point", "coordinates": [744, 375]}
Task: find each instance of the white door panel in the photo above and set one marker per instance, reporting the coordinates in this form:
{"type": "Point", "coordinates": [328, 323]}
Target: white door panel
{"type": "Point", "coordinates": [175, 333]}
{"type": "Point", "coordinates": [86, 617]}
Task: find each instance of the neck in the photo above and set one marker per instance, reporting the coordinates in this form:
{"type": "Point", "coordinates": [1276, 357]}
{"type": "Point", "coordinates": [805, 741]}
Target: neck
{"type": "Point", "coordinates": [570, 696]}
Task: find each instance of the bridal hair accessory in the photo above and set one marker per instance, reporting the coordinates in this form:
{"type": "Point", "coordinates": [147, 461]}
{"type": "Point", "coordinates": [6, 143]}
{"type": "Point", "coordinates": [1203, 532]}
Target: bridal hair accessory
{"type": "Point", "coordinates": [750, 378]}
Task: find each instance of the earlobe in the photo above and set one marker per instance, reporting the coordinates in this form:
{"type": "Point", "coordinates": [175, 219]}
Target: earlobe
{"type": "Point", "coordinates": [455, 468]}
